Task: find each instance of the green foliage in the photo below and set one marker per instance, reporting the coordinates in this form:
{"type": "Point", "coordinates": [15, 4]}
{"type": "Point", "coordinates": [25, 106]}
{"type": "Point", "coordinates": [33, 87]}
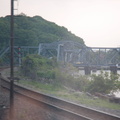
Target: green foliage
{"type": "Point", "coordinates": [49, 74]}
{"type": "Point", "coordinates": [4, 32]}
{"type": "Point", "coordinates": [104, 83]}
{"type": "Point", "coordinates": [78, 97]}
{"type": "Point", "coordinates": [47, 71]}
{"type": "Point", "coordinates": [36, 66]}
{"type": "Point", "coordinates": [65, 77]}
{"type": "Point", "coordinates": [30, 31]}
{"type": "Point", "coordinates": [82, 83]}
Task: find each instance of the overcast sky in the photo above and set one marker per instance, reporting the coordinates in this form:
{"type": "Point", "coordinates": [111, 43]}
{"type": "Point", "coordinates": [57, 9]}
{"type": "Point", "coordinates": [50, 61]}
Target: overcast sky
{"type": "Point", "coordinates": [96, 21]}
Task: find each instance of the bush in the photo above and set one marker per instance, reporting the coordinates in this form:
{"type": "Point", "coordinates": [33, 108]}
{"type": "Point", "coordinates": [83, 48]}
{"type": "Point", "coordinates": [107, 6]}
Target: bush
{"type": "Point", "coordinates": [34, 66]}
{"type": "Point", "coordinates": [70, 81]}
{"type": "Point", "coordinates": [50, 74]}
{"type": "Point", "coordinates": [104, 83]}
{"type": "Point", "coordinates": [47, 70]}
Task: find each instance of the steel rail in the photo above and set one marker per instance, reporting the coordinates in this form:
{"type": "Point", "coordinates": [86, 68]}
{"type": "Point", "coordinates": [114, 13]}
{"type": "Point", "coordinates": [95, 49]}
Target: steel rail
{"type": "Point", "coordinates": [50, 107]}
{"type": "Point", "coordinates": [63, 104]}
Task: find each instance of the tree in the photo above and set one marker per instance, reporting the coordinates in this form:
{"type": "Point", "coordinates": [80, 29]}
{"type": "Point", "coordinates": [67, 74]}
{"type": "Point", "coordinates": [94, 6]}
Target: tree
{"type": "Point", "coordinates": [31, 31]}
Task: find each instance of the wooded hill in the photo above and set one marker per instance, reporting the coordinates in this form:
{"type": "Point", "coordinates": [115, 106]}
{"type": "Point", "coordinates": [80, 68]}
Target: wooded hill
{"type": "Point", "coordinates": [30, 31]}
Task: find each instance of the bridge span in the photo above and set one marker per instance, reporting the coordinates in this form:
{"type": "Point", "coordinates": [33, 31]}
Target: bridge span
{"type": "Point", "coordinates": [68, 51]}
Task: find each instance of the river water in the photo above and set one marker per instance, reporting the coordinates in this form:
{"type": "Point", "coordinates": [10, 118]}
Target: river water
{"type": "Point", "coordinates": [117, 94]}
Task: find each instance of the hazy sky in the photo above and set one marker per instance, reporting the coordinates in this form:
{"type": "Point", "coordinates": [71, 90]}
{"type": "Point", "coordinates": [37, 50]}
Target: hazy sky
{"type": "Point", "coordinates": [96, 21]}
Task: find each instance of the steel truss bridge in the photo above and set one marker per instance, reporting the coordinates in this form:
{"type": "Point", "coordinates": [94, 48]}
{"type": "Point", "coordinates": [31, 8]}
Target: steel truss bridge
{"type": "Point", "coordinates": [66, 51]}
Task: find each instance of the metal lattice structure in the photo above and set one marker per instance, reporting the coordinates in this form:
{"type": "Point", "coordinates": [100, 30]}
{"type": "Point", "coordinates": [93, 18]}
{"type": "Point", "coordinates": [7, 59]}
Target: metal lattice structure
{"type": "Point", "coordinates": [63, 50]}
{"type": "Point", "coordinates": [19, 53]}
{"type": "Point", "coordinates": [99, 56]}
{"type": "Point", "coordinates": [67, 51]}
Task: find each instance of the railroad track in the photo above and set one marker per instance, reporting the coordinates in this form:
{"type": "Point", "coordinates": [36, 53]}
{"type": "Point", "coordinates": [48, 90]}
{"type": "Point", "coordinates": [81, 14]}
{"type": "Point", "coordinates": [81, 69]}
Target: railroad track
{"type": "Point", "coordinates": [64, 108]}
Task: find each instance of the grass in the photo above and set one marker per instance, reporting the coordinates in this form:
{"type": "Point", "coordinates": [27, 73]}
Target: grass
{"type": "Point", "coordinates": [77, 97]}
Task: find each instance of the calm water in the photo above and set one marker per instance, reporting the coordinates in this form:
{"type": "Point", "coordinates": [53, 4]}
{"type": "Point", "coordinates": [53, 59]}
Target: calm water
{"type": "Point", "coordinates": [98, 72]}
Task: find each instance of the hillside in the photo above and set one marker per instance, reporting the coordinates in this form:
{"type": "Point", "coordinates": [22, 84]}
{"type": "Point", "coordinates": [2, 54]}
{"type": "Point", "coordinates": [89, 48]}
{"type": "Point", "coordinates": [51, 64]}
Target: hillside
{"type": "Point", "coordinates": [30, 31]}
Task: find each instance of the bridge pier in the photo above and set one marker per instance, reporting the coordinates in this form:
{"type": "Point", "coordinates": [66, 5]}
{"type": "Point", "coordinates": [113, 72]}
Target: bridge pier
{"type": "Point", "coordinates": [87, 70]}
{"type": "Point", "coordinates": [113, 69]}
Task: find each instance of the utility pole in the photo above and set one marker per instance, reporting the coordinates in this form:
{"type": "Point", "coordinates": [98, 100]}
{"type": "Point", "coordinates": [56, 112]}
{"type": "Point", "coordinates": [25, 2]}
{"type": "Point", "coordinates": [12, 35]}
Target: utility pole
{"type": "Point", "coordinates": [12, 62]}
